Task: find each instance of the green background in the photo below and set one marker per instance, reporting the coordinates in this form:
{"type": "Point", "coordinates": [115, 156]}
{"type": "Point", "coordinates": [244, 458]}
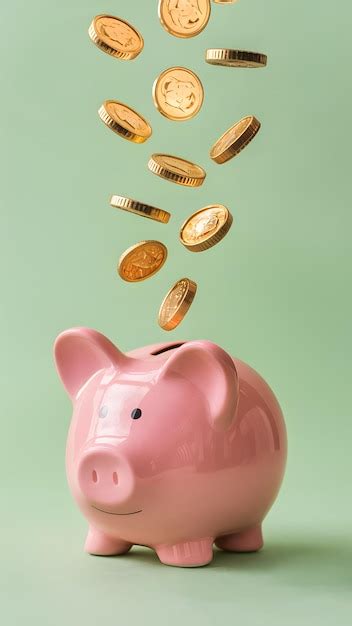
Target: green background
{"type": "Point", "coordinates": [276, 293]}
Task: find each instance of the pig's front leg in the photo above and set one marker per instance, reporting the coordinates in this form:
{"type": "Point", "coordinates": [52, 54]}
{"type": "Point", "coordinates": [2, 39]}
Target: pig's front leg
{"type": "Point", "coordinates": [101, 544]}
{"type": "Point", "coordinates": [186, 554]}
{"type": "Point", "coordinates": [249, 540]}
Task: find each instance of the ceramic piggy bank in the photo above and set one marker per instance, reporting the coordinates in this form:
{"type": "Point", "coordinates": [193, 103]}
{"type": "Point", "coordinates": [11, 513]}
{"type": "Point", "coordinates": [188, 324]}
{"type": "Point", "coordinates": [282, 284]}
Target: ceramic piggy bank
{"type": "Point", "coordinates": [171, 446]}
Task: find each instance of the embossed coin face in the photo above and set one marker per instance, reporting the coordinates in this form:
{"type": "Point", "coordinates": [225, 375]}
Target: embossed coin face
{"type": "Point", "coordinates": [177, 170]}
{"type": "Point", "coordinates": [142, 261]}
{"type": "Point", "coordinates": [184, 18]}
{"type": "Point", "coordinates": [116, 37]}
{"type": "Point", "coordinates": [125, 121]}
{"type": "Point", "coordinates": [177, 303]}
{"type": "Point", "coordinates": [178, 94]}
{"type": "Point", "coordinates": [206, 227]}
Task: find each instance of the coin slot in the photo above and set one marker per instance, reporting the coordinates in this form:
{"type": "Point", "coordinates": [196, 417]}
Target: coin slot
{"type": "Point", "coordinates": [167, 348]}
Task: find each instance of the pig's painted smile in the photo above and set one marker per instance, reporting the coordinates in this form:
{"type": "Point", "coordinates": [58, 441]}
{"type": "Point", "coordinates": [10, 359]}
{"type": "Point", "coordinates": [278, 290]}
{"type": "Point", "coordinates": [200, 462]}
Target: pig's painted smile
{"type": "Point", "coordinates": [110, 513]}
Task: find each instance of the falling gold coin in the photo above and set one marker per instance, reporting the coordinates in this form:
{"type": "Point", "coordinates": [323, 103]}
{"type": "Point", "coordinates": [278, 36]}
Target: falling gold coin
{"type": "Point", "coordinates": [184, 18]}
{"type": "Point", "coordinates": [178, 94]}
{"type": "Point", "coordinates": [139, 208]}
{"type": "Point", "coordinates": [177, 170]}
{"type": "Point", "coordinates": [142, 261]}
{"type": "Point", "coordinates": [176, 303]}
{"type": "Point", "coordinates": [116, 37]}
{"type": "Point", "coordinates": [235, 58]}
{"type": "Point", "coordinates": [125, 121]}
{"type": "Point", "coordinates": [206, 227]}
{"type": "Point", "coordinates": [235, 139]}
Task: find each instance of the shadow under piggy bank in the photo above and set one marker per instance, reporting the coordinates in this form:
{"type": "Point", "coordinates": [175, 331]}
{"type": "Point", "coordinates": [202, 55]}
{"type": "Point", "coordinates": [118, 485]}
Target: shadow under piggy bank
{"type": "Point", "coordinates": [294, 562]}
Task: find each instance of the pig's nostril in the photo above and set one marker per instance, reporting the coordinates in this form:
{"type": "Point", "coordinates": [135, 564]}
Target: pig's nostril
{"type": "Point", "coordinates": [115, 478]}
{"type": "Point", "coordinates": [94, 476]}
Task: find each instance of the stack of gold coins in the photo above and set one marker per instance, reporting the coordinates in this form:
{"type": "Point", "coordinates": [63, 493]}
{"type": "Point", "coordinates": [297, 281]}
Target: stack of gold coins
{"type": "Point", "coordinates": [178, 95]}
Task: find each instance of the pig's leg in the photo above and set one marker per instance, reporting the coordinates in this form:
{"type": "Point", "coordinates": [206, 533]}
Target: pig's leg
{"type": "Point", "coordinates": [249, 540]}
{"type": "Point", "coordinates": [101, 544]}
{"type": "Point", "coordinates": [187, 554]}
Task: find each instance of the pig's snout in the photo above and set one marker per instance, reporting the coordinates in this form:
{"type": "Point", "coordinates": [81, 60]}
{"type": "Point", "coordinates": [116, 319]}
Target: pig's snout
{"type": "Point", "coordinates": [105, 477]}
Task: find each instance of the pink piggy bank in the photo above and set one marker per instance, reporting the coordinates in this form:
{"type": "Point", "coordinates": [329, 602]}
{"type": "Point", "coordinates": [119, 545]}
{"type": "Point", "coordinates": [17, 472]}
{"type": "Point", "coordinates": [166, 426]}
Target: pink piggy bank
{"type": "Point", "coordinates": [171, 446]}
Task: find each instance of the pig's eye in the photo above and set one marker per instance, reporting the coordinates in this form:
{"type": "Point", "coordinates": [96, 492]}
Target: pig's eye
{"type": "Point", "coordinates": [136, 414]}
{"type": "Point", "coordinates": [103, 411]}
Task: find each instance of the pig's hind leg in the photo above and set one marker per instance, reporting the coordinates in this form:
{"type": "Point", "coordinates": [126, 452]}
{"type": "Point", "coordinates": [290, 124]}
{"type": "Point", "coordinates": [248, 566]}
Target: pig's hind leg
{"type": "Point", "coordinates": [249, 540]}
{"type": "Point", "coordinates": [100, 544]}
{"type": "Point", "coordinates": [186, 554]}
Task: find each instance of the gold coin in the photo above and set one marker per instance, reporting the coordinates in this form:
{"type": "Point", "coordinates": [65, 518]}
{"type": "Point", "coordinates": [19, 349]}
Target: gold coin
{"type": "Point", "coordinates": [176, 303]}
{"type": "Point", "coordinates": [206, 227]}
{"type": "Point", "coordinates": [235, 139]}
{"type": "Point", "coordinates": [177, 170]}
{"type": "Point", "coordinates": [224, 1]}
{"type": "Point", "coordinates": [146, 210]}
{"type": "Point", "coordinates": [142, 261]}
{"type": "Point", "coordinates": [184, 18]}
{"type": "Point", "coordinates": [125, 121]}
{"type": "Point", "coordinates": [178, 94]}
{"type": "Point", "coordinates": [235, 58]}
{"type": "Point", "coordinates": [116, 37]}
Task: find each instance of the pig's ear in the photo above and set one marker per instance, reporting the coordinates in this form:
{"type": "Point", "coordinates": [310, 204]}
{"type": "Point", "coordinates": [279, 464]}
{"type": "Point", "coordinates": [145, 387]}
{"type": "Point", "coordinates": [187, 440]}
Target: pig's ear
{"type": "Point", "coordinates": [79, 353]}
{"type": "Point", "coordinates": [213, 372]}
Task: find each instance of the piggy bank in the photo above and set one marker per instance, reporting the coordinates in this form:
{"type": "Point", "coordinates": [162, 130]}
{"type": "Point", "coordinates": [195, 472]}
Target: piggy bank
{"type": "Point", "coordinates": [174, 446]}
